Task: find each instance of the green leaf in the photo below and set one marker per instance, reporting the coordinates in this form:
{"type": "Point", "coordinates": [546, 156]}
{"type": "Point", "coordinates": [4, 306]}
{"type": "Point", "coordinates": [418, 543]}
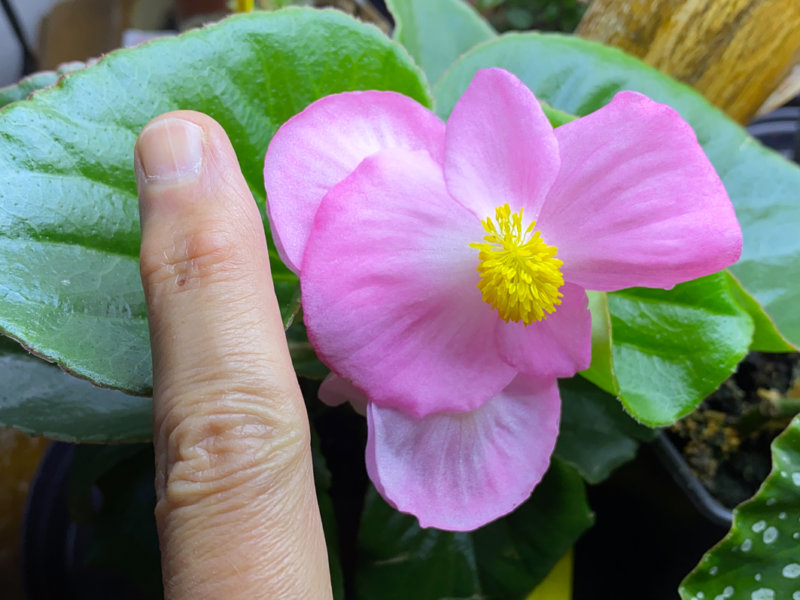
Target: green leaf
{"type": "Point", "coordinates": [760, 556]}
{"type": "Point", "coordinates": [578, 77]}
{"type": "Point", "coordinates": [436, 33]}
{"type": "Point", "coordinates": [69, 231]}
{"type": "Point", "coordinates": [662, 351]}
{"type": "Point", "coordinates": [596, 435]}
{"type": "Point", "coordinates": [35, 82]}
{"type": "Point", "coordinates": [397, 559]}
{"type": "Point", "coordinates": [517, 552]}
{"type": "Point", "coordinates": [672, 348]}
{"type": "Point", "coordinates": [40, 399]}
{"type": "Point", "coordinates": [505, 559]}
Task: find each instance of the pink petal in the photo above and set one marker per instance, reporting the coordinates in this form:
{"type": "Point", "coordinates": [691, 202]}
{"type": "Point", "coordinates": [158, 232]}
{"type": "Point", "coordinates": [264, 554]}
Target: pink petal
{"type": "Point", "coordinates": [335, 391]}
{"type": "Point", "coordinates": [460, 471]}
{"type": "Point", "coordinates": [499, 146]}
{"type": "Point", "coordinates": [558, 346]}
{"type": "Point", "coordinates": [636, 202]}
{"type": "Point", "coordinates": [389, 289]}
{"type": "Point", "coordinates": [317, 148]}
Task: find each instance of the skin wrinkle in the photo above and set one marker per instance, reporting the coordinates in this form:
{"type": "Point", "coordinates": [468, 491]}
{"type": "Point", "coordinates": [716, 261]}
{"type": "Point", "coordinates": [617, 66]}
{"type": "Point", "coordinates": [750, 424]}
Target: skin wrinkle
{"type": "Point", "coordinates": [195, 260]}
{"type": "Point", "coordinates": [187, 421]}
{"type": "Point", "coordinates": [209, 455]}
{"type": "Point", "coordinates": [272, 531]}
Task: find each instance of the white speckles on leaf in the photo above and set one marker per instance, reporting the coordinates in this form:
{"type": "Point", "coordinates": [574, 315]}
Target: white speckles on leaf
{"type": "Point", "coordinates": [747, 545]}
{"type": "Point", "coordinates": [759, 526]}
{"type": "Point", "coordinates": [791, 571]}
{"type": "Point", "coordinates": [763, 594]}
{"type": "Point", "coordinates": [726, 593]}
{"type": "Point", "coordinates": [770, 535]}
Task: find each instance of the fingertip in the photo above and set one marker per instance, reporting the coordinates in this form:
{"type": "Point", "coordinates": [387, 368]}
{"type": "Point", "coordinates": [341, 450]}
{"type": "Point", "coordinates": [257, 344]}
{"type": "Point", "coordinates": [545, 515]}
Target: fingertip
{"type": "Point", "coordinates": [185, 156]}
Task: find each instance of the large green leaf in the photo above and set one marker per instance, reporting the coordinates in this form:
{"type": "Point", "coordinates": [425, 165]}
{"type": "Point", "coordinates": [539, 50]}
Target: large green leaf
{"type": "Point", "coordinates": [69, 231]}
{"type": "Point", "coordinates": [662, 352]}
{"type": "Point", "coordinates": [596, 435]}
{"type": "Point", "coordinates": [436, 33]}
{"type": "Point", "coordinates": [505, 559]}
{"type": "Point", "coordinates": [671, 349]}
{"type": "Point", "coordinates": [399, 560]}
{"type": "Point", "coordinates": [517, 552]}
{"type": "Point", "coordinates": [760, 557]}
{"type": "Point", "coordinates": [40, 399]}
{"type": "Point", "coordinates": [578, 77]}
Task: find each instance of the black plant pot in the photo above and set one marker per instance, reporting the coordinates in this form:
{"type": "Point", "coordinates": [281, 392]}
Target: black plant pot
{"type": "Point", "coordinates": [89, 532]}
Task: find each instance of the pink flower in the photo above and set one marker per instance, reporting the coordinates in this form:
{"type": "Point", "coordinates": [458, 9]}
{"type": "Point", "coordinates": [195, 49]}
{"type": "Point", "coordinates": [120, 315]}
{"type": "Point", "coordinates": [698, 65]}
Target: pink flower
{"type": "Point", "coordinates": [443, 268]}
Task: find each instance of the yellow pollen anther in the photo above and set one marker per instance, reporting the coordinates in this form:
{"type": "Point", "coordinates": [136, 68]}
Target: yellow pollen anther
{"type": "Point", "coordinates": [520, 274]}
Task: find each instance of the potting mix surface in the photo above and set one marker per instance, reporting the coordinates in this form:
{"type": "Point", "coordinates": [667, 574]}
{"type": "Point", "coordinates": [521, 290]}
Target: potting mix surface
{"type": "Point", "coordinates": [726, 441]}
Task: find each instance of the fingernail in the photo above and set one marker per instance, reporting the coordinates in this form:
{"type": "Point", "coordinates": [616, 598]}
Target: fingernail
{"type": "Point", "coordinates": [170, 150]}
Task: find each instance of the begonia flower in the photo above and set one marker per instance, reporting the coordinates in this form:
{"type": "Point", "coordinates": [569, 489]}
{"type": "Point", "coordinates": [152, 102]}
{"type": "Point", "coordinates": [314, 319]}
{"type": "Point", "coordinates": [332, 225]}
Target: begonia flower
{"type": "Point", "coordinates": [443, 268]}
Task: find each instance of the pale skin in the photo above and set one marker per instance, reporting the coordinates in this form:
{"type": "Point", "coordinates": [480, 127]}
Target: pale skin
{"type": "Point", "coordinates": [237, 513]}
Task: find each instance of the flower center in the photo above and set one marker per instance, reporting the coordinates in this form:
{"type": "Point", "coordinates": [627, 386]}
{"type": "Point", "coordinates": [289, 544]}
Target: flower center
{"type": "Point", "coordinates": [520, 274]}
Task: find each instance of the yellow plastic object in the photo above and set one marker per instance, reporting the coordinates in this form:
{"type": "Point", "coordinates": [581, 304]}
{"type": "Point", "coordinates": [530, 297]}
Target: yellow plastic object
{"type": "Point", "coordinates": [244, 5]}
{"type": "Point", "coordinates": [558, 584]}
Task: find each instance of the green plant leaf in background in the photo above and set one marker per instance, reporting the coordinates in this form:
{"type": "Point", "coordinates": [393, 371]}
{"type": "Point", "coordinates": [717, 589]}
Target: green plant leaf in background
{"type": "Point", "coordinates": [766, 337]}
{"type": "Point", "coordinates": [505, 559]}
{"type": "Point", "coordinates": [399, 560]}
{"type": "Point", "coordinates": [436, 33]}
{"type": "Point", "coordinates": [516, 553]}
{"type": "Point", "coordinates": [760, 558]}
{"type": "Point", "coordinates": [596, 435]}
{"type": "Point", "coordinates": [35, 82]}
{"type": "Point", "coordinates": [38, 398]}
{"type": "Point", "coordinates": [578, 77]}
{"type": "Point", "coordinates": [69, 231]}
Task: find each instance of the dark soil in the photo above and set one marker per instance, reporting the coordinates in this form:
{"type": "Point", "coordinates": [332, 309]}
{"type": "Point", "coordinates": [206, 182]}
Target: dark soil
{"type": "Point", "coordinates": [726, 441]}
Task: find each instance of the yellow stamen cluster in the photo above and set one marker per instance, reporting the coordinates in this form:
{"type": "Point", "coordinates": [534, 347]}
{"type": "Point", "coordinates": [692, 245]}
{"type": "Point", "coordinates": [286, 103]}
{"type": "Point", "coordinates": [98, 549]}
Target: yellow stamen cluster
{"type": "Point", "coordinates": [520, 274]}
